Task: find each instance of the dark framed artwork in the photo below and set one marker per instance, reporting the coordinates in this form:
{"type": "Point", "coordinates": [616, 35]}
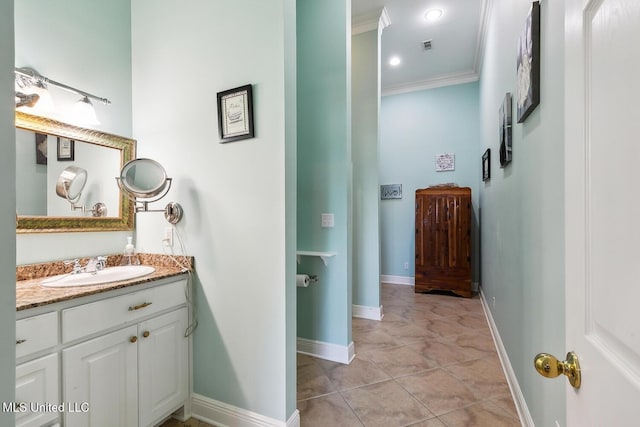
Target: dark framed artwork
{"type": "Point", "coordinates": [486, 165]}
{"type": "Point", "coordinates": [528, 79]}
{"type": "Point", "coordinates": [235, 114]}
{"type": "Point", "coordinates": [41, 149]}
{"type": "Point", "coordinates": [506, 145]}
{"type": "Point", "coordinates": [66, 149]}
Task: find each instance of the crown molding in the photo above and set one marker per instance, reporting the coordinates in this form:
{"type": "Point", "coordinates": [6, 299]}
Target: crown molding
{"type": "Point", "coordinates": [432, 83]}
{"type": "Point", "coordinates": [481, 39]}
{"type": "Point", "coordinates": [377, 19]}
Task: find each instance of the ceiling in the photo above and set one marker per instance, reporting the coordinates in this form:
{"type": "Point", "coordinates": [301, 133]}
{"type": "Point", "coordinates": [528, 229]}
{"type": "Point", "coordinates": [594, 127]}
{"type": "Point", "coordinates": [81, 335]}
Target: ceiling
{"type": "Point", "coordinates": [457, 39]}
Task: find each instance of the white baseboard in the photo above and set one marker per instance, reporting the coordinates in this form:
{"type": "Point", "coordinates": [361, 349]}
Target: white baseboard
{"type": "Point", "coordinates": [326, 350]}
{"type": "Point", "coordinates": [398, 280]}
{"type": "Point", "coordinates": [514, 386]}
{"type": "Point", "coordinates": [224, 415]}
{"type": "Point", "coordinates": [366, 312]}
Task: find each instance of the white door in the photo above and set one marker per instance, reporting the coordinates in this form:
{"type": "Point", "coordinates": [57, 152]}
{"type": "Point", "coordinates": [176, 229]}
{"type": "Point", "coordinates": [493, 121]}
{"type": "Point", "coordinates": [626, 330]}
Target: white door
{"type": "Point", "coordinates": [602, 159]}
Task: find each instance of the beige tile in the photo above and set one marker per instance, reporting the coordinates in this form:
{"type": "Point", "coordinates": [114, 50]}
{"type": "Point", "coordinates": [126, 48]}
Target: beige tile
{"type": "Point", "coordinates": [312, 381]}
{"type": "Point", "coordinates": [433, 422]}
{"type": "Point", "coordinates": [475, 346]}
{"type": "Point", "coordinates": [406, 332]}
{"type": "Point", "coordinates": [444, 327]}
{"type": "Point", "coordinates": [366, 340]}
{"type": "Point", "coordinates": [483, 414]}
{"type": "Point", "coordinates": [400, 361]}
{"type": "Point", "coordinates": [442, 352]}
{"type": "Point", "coordinates": [385, 404]}
{"type": "Point", "coordinates": [440, 391]}
{"type": "Point", "coordinates": [304, 360]}
{"type": "Point", "coordinates": [484, 377]}
{"type": "Point", "coordinates": [330, 410]}
{"type": "Point", "coordinates": [506, 404]}
{"type": "Point", "coordinates": [358, 373]}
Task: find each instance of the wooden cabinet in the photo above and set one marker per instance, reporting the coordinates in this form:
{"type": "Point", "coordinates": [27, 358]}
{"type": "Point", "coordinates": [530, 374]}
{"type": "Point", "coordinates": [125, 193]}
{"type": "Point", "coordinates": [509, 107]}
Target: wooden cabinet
{"type": "Point", "coordinates": [443, 240]}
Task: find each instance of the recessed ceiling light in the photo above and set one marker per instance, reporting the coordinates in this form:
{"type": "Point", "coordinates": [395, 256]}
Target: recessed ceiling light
{"type": "Point", "coordinates": [433, 15]}
{"type": "Point", "coordinates": [395, 61]}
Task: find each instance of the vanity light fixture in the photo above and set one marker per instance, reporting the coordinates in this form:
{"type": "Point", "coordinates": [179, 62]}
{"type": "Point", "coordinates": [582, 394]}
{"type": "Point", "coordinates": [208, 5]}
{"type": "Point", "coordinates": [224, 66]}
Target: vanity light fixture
{"type": "Point", "coordinates": [30, 82]}
{"type": "Point", "coordinates": [84, 113]}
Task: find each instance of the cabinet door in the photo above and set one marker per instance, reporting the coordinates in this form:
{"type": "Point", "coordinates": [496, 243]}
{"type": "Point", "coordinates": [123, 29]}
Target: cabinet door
{"type": "Point", "coordinates": [163, 365]}
{"type": "Point", "coordinates": [36, 383]}
{"type": "Point", "coordinates": [103, 373]}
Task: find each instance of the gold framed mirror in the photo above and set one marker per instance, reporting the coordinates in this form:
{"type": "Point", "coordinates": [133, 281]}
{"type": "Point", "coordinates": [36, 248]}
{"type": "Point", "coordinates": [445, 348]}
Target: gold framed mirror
{"type": "Point", "coordinates": [120, 217]}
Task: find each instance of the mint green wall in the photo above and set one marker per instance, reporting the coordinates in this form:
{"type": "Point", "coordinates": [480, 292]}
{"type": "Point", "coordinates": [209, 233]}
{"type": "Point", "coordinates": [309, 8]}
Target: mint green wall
{"type": "Point", "coordinates": [7, 215]}
{"type": "Point", "coordinates": [324, 167]}
{"type": "Point", "coordinates": [414, 128]}
{"type": "Point", "coordinates": [523, 206]}
{"type": "Point", "coordinates": [86, 44]}
{"type": "Point", "coordinates": [365, 65]}
{"type": "Point", "coordinates": [239, 212]}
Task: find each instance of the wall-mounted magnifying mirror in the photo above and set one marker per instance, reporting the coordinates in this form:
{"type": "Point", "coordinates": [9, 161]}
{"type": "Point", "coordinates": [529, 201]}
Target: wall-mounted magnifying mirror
{"type": "Point", "coordinates": [147, 180]}
{"type": "Point", "coordinates": [69, 186]}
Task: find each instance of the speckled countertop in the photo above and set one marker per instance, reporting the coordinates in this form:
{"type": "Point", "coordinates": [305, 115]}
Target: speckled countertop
{"type": "Point", "coordinates": [30, 294]}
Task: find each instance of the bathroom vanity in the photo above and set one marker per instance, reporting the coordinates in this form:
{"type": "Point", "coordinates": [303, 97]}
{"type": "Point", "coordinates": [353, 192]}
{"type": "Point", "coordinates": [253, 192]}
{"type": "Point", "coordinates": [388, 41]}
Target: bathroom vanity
{"type": "Point", "coordinates": [115, 354]}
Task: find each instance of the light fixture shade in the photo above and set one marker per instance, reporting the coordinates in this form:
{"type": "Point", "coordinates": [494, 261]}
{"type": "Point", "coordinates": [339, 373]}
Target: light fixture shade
{"type": "Point", "coordinates": [83, 112]}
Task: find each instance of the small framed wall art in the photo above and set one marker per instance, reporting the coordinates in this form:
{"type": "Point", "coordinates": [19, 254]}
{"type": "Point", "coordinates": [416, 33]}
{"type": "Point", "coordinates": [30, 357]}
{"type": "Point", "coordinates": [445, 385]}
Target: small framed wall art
{"type": "Point", "coordinates": [235, 114]}
{"type": "Point", "coordinates": [391, 191]}
{"type": "Point", "coordinates": [528, 79]}
{"type": "Point", "coordinates": [506, 148]}
{"type": "Point", "coordinates": [486, 165]}
{"type": "Point", "coordinates": [66, 150]}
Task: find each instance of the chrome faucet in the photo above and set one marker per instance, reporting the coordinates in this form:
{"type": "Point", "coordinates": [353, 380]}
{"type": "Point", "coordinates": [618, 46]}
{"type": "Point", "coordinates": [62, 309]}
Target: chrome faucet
{"type": "Point", "coordinates": [77, 268]}
{"type": "Point", "coordinates": [95, 264]}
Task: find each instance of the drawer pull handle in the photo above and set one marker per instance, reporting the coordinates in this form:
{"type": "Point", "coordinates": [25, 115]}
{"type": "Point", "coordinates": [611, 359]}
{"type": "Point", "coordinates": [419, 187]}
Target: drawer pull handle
{"type": "Point", "coordinates": [20, 341]}
{"type": "Point", "coordinates": [133, 339]}
{"type": "Point", "coordinates": [139, 306]}
{"type": "Point", "coordinates": [146, 334]}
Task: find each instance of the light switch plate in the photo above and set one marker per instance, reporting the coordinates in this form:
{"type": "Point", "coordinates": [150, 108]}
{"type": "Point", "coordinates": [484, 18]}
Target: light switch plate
{"type": "Point", "coordinates": [327, 220]}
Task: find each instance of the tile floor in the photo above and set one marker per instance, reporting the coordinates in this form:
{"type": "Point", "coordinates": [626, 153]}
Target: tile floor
{"type": "Point", "coordinates": [430, 362]}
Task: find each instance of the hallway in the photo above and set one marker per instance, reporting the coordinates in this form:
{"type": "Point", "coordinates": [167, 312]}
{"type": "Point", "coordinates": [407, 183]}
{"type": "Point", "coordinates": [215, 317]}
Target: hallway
{"type": "Point", "coordinates": [430, 362]}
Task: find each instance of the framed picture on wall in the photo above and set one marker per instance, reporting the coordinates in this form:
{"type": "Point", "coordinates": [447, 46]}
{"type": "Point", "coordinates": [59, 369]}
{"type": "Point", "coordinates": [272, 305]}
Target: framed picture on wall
{"type": "Point", "coordinates": [41, 149]}
{"type": "Point", "coordinates": [235, 114]}
{"type": "Point", "coordinates": [486, 165]}
{"type": "Point", "coordinates": [528, 79]}
{"type": "Point", "coordinates": [506, 149]}
{"type": "Point", "coordinates": [66, 150]}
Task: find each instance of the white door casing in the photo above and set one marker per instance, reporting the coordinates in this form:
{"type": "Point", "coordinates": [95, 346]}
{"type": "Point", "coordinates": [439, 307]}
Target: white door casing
{"type": "Point", "coordinates": [602, 183]}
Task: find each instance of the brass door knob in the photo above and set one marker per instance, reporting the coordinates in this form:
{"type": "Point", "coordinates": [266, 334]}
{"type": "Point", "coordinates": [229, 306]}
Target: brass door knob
{"type": "Point", "coordinates": [133, 338]}
{"type": "Point", "coordinates": [146, 334]}
{"type": "Point", "coordinates": [550, 367]}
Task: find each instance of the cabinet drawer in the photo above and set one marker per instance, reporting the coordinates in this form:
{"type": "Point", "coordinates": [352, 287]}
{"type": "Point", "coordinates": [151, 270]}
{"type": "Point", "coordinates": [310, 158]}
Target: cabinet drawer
{"type": "Point", "coordinates": [87, 319]}
{"type": "Point", "coordinates": [36, 333]}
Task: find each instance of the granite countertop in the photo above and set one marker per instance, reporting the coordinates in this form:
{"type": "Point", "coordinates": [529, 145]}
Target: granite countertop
{"type": "Point", "coordinates": [30, 294]}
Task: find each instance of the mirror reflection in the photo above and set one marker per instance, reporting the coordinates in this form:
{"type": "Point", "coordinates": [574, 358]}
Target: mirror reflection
{"type": "Point", "coordinates": [41, 159]}
{"type": "Point", "coordinates": [48, 150]}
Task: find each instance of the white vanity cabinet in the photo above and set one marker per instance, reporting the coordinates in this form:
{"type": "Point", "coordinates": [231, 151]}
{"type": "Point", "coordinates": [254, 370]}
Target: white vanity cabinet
{"type": "Point", "coordinates": [124, 359]}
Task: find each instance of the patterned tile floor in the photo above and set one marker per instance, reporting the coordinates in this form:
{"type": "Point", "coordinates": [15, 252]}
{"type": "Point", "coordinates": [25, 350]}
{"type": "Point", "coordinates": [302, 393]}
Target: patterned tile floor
{"type": "Point", "coordinates": [430, 362]}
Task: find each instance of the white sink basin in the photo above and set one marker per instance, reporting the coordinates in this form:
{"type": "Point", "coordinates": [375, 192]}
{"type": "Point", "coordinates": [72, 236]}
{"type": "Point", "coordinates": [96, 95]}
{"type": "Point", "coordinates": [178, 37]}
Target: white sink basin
{"type": "Point", "coordinates": [107, 275]}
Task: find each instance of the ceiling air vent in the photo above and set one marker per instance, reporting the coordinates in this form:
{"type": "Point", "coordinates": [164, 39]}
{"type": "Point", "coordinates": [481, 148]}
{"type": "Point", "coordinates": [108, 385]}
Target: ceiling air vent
{"type": "Point", "coordinates": [426, 45]}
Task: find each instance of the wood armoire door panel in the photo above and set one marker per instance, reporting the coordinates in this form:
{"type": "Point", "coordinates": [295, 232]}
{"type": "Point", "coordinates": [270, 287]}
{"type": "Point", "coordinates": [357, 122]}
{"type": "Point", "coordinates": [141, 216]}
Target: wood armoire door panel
{"type": "Point", "coordinates": [443, 240]}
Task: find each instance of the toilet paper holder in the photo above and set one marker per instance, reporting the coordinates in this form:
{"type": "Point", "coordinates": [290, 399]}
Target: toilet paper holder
{"type": "Point", "coordinates": [313, 278]}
